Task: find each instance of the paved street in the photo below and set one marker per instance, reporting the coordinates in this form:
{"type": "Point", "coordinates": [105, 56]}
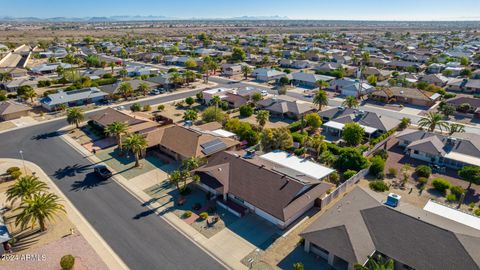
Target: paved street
{"type": "Point", "coordinates": [147, 242]}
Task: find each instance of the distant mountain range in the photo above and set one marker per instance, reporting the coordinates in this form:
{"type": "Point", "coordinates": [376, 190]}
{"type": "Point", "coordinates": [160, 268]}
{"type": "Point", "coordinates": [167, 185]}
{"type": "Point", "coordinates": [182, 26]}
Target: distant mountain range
{"type": "Point", "coordinates": [130, 18]}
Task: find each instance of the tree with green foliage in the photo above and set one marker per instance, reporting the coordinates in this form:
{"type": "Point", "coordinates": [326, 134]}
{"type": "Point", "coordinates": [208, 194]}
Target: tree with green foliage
{"type": "Point", "coordinates": [40, 208]}
{"type": "Point", "coordinates": [432, 121]}
{"type": "Point", "coordinates": [351, 102]}
{"type": "Point", "coordinates": [377, 166]}
{"type": "Point", "coordinates": [212, 114]}
{"type": "Point", "coordinates": [313, 121]}
{"type": "Point", "coordinates": [117, 129]}
{"type": "Point", "coordinates": [351, 158]}
{"type": "Point", "coordinates": [455, 128]}
{"type": "Point", "coordinates": [191, 63]}
{"type": "Point", "coordinates": [353, 134]}
{"type": "Point", "coordinates": [320, 99]}
{"type": "Point", "coordinates": [246, 110]}
{"type": "Point", "coordinates": [256, 97]}
{"type": "Point", "coordinates": [276, 138]}
{"type": "Point", "coordinates": [143, 88]}
{"type": "Point", "coordinates": [189, 101]}
{"type": "Point", "coordinates": [125, 89]}
{"type": "Point", "coordinates": [372, 80]}
{"type": "Point", "coordinates": [470, 174]}
{"type": "Point", "coordinates": [24, 188]}
{"type": "Point", "coordinates": [376, 264]}
{"type": "Point", "coordinates": [190, 115]}
{"type": "Point", "coordinates": [238, 55]}
{"type": "Point", "coordinates": [246, 70]}
{"type": "Point", "coordinates": [262, 117]}
{"type": "Point", "coordinates": [135, 143]}
{"type": "Point", "coordinates": [75, 116]}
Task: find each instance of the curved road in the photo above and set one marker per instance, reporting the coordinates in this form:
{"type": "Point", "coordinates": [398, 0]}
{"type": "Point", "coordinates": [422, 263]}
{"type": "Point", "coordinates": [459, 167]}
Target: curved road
{"type": "Point", "coordinates": [142, 239]}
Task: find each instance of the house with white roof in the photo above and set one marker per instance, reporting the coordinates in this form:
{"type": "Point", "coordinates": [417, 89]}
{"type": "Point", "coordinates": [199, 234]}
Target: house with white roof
{"type": "Point", "coordinates": [267, 74]}
{"type": "Point", "coordinates": [73, 98]}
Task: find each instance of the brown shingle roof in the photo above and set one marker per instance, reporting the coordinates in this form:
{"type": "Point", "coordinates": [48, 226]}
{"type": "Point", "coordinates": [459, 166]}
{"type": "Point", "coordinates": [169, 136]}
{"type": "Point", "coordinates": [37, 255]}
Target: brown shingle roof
{"type": "Point", "coordinates": [9, 107]}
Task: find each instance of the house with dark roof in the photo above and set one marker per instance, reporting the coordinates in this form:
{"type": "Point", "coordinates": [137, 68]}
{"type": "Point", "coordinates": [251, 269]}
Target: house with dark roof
{"type": "Point", "coordinates": [276, 186]}
{"type": "Point", "coordinates": [360, 225]}
{"type": "Point", "coordinates": [373, 124]}
{"type": "Point", "coordinates": [112, 89]}
{"type": "Point", "coordinates": [458, 102]}
{"type": "Point", "coordinates": [455, 151]}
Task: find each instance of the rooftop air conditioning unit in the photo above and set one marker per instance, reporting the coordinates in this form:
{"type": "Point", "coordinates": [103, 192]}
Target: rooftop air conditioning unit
{"type": "Point", "coordinates": [393, 200]}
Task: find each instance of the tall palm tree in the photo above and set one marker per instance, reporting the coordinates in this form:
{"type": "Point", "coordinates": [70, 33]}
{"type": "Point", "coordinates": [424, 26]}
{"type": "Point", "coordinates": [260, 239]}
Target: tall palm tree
{"type": "Point", "coordinates": [175, 178]}
{"type": "Point", "coordinates": [432, 121]}
{"type": "Point", "coordinates": [190, 115]}
{"type": "Point", "coordinates": [453, 128]}
{"type": "Point", "coordinates": [246, 70]}
{"type": "Point", "coordinates": [189, 76]}
{"type": "Point", "coordinates": [135, 143]}
{"type": "Point", "coordinates": [262, 117]}
{"type": "Point", "coordinates": [322, 85]}
{"type": "Point", "coordinates": [112, 65]}
{"type": "Point", "coordinates": [75, 116]}
{"type": "Point", "coordinates": [320, 99]}
{"type": "Point", "coordinates": [117, 129]}
{"type": "Point", "coordinates": [125, 89]}
{"type": "Point", "coordinates": [25, 188]}
{"type": "Point", "coordinates": [143, 88]}
{"type": "Point", "coordinates": [39, 208]}
{"type": "Point", "coordinates": [350, 102]}
{"type": "Point", "coordinates": [29, 94]}
{"type": "Point", "coordinates": [215, 101]}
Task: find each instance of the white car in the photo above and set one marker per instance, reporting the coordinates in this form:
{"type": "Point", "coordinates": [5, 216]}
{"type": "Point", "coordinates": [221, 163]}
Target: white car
{"type": "Point", "coordinates": [264, 92]}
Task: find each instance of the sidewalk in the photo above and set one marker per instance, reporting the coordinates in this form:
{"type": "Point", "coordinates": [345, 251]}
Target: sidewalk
{"type": "Point", "coordinates": [214, 248]}
{"type": "Point", "coordinates": [109, 257]}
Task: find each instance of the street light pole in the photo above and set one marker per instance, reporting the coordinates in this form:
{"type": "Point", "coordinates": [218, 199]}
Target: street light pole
{"type": "Point", "coordinates": [23, 161]}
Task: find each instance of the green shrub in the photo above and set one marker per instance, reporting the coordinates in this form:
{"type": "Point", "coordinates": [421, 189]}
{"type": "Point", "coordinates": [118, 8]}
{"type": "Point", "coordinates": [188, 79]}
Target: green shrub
{"type": "Point", "coordinates": [295, 126]}
{"type": "Point", "coordinates": [334, 178]}
{"type": "Point", "coordinates": [147, 108]}
{"type": "Point", "coordinates": [12, 169]}
{"type": "Point", "coordinates": [203, 215]}
{"type": "Point", "coordinates": [135, 107]}
{"type": "Point", "coordinates": [381, 153]}
{"type": "Point", "coordinates": [187, 214]}
{"type": "Point", "coordinates": [348, 174]}
{"type": "Point", "coordinates": [299, 151]}
{"type": "Point", "coordinates": [382, 137]}
{"type": "Point", "coordinates": [477, 212]}
{"type": "Point", "coordinates": [377, 165]}
{"type": "Point", "coordinates": [457, 190]}
{"type": "Point", "coordinates": [441, 184]}
{"type": "Point", "coordinates": [161, 107]}
{"type": "Point", "coordinates": [67, 262]}
{"type": "Point", "coordinates": [16, 174]}
{"type": "Point", "coordinates": [299, 137]}
{"type": "Point", "coordinates": [351, 159]}
{"type": "Point", "coordinates": [422, 180]}
{"type": "Point", "coordinates": [378, 186]}
{"type": "Point", "coordinates": [451, 197]}
{"type": "Point", "coordinates": [423, 171]}
{"type": "Point", "coordinates": [392, 172]}
{"type": "Point", "coordinates": [246, 110]}
{"type": "Point", "coordinates": [471, 206]}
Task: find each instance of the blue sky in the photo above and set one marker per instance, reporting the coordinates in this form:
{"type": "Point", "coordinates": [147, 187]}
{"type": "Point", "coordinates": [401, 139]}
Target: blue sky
{"type": "Point", "coordinates": [294, 9]}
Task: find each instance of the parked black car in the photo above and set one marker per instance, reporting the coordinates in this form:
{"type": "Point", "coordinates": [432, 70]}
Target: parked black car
{"type": "Point", "coordinates": [102, 171]}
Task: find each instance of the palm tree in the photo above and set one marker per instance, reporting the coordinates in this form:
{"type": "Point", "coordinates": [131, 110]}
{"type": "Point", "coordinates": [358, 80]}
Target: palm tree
{"type": "Point", "coordinates": [117, 129]}
{"type": "Point", "coordinates": [432, 121]}
{"type": "Point", "coordinates": [215, 101]}
{"type": "Point", "coordinates": [176, 78]}
{"type": "Point", "coordinates": [25, 188]}
{"type": "Point", "coordinates": [322, 84]}
{"type": "Point", "coordinates": [40, 208]}
{"type": "Point", "coordinates": [189, 76]}
{"type": "Point", "coordinates": [246, 70]}
{"type": "Point", "coordinates": [350, 102]}
{"type": "Point", "coordinates": [5, 77]}
{"type": "Point", "coordinates": [376, 264]}
{"type": "Point", "coordinates": [175, 178]}
{"type": "Point", "coordinates": [112, 65]}
{"type": "Point", "coordinates": [75, 116]}
{"type": "Point", "coordinates": [320, 99]}
{"type": "Point", "coordinates": [125, 90]}
{"type": "Point", "coordinates": [29, 94]}
{"type": "Point", "coordinates": [135, 143]}
{"type": "Point", "coordinates": [453, 128]}
{"type": "Point", "coordinates": [190, 115]}
{"type": "Point", "coordinates": [192, 163]}
{"type": "Point", "coordinates": [143, 88]}
{"type": "Point", "coordinates": [262, 117]}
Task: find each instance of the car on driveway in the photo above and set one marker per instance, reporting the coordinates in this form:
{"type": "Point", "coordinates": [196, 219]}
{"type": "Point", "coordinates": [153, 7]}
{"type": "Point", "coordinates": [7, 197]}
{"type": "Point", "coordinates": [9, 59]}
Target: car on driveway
{"type": "Point", "coordinates": [102, 171]}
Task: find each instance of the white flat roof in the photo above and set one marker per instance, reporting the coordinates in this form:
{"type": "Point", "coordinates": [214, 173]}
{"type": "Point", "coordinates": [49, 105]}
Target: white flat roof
{"type": "Point", "coordinates": [337, 125]}
{"type": "Point", "coordinates": [463, 158]}
{"type": "Point", "coordinates": [301, 165]}
{"type": "Point", "coordinates": [452, 214]}
{"type": "Point", "coordinates": [216, 90]}
{"type": "Point", "coordinates": [223, 133]}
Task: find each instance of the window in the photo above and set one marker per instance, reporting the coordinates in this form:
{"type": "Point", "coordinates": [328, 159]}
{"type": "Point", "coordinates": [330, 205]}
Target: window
{"type": "Point", "coordinates": [416, 152]}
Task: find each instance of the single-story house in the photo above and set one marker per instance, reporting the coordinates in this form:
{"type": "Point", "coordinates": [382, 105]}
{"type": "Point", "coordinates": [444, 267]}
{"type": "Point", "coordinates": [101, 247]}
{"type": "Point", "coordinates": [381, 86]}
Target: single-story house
{"type": "Point", "coordinates": [276, 186]}
{"type": "Point", "coordinates": [286, 106]}
{"type": "Point", "coordinates": [360, 226]}
{"type": "Point", "coordinates": [455, 151]}
{"type": "Point", "coordinates": [163, 80]}
{"type": "Point", "coordinates": [73, 98]}
{"type": "Point", "coordinates": [49, 68]}
{"type": "Point", "coordinates": [381, 74]}
{"type": "Point", "coordinates": [459, 101]}
{"type": "Point", "coordinates": [267, 74]}
{"type": "Point", "coordinates": [436, 79]}
{"type": "Point", "coordinates": [137, 122]}
{"type": "Point", "coordinates": [412, 96]}
{"type": "Point", "coordinates": [308, 79]}
{"type": "Point", "coordinates": [112, 89]}
{"type": "Point", "coordinates": [231, 69]}
{"type": "Point", "coordinates": [10, 110]}
{"type": "Point", "coordinates": [351, 87]}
